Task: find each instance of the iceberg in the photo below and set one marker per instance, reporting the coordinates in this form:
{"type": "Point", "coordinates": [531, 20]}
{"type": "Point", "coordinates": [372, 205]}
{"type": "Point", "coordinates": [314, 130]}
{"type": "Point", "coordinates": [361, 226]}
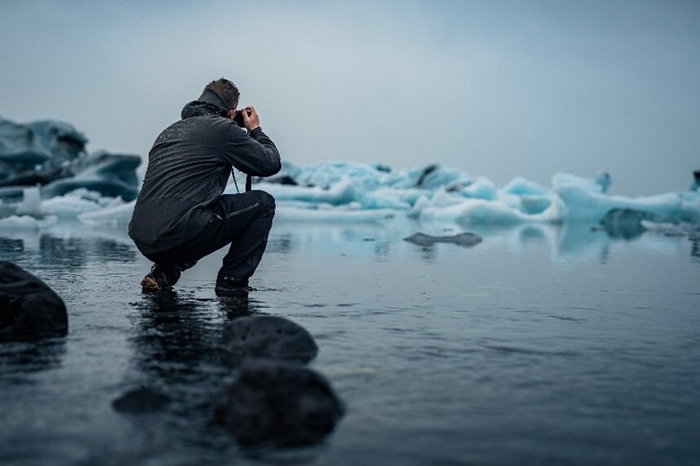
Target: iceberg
{"type": "Point", "coordinates": [45, 172]}
{"type": "Point", "coordinates": [439, 194]}
{"type": "Point", "coordinates": [51, 154]}
{"type": "Point", "coordinates": [365, 193]}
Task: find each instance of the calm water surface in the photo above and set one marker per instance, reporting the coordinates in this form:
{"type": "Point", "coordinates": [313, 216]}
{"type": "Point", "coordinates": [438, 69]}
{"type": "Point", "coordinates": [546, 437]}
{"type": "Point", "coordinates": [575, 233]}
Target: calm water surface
{"type": "Point", "coordinates": [541, 345]}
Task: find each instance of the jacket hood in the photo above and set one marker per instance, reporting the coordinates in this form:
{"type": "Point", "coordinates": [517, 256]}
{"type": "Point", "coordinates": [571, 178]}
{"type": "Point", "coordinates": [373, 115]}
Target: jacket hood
{"type": "Point", "coordinates": [198, 108]}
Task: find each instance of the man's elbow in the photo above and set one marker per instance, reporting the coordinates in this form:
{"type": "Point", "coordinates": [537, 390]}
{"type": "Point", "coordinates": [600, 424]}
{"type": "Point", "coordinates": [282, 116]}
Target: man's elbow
{"type": "Point", "coordinates": [273, 165]}
{"type": "Point", "coordinates": [277, 165]}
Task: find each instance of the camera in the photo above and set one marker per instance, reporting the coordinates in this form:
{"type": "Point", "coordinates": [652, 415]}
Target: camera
{"type": "Point", "coordinates": [238, 118]}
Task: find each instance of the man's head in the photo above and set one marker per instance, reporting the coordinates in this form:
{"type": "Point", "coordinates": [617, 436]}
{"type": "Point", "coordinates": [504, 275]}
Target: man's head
{"type": "Point", "coordinates": [226, 90]}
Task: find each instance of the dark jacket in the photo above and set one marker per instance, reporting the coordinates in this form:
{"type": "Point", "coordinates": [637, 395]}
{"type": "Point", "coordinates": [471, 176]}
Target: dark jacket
{"type": "Point", "coordinates": [188, 169]}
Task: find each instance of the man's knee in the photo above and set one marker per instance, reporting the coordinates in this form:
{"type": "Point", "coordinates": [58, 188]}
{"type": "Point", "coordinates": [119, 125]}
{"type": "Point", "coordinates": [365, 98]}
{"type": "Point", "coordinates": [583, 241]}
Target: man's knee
{"type": "Point", "coordinates": [267, 203]}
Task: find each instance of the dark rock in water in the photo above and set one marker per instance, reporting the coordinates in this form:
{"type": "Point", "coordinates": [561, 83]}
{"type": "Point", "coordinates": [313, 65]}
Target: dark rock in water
{"type": "Point", "coordinates": [269, 337]}
{"type": "Point", "coordinates": [625, 223]}
{"type": "Point", "coordinates": [694, 234]}
{"type": "Point", "coordinates": [462, 239]}
{"type": "Point", "coordinates": [282, 179]}
{"type": "Point", "coordinates": [52, 154]}
{"type": "Point", "coordinates": [28, 307]}
{"type": "Point", "coordinates": [141, 400]}
{"type": "Point", "coordinates": [426, 172]}
{"type": "Point", "coordinates": [695, 185]}
{"type": "Point", "coordinates": [278, 404]}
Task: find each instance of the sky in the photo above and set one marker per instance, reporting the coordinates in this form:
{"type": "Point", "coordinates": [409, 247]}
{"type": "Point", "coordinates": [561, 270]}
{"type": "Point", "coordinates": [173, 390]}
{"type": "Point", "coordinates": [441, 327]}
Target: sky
{"type": "Point", "coordinates": [493, 88]}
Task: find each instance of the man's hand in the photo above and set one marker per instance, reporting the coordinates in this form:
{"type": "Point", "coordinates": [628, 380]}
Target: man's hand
{"type": "Point", "coordinates": [250, 118]}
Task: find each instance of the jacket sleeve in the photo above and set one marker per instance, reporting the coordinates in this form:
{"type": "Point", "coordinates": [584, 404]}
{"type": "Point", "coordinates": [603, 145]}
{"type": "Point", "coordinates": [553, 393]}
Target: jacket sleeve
{"type": "Point", "coordinates": [254, 154]}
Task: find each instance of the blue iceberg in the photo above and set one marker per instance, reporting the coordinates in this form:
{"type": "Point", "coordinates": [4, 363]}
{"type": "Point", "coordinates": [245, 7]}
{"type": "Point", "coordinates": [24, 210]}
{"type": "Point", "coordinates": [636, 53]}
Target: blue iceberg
{"type": "Point", "coordinates": [437, 193]}
{"type": "Point", "coordinates": [51, 155]}
{"type": "Point", "coordinates": [45, 173]}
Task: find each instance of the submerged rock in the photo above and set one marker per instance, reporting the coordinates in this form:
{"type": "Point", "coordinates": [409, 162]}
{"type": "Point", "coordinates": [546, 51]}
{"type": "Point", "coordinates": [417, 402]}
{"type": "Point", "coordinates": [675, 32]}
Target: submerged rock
{"type": "Point", "coordinates": [462, 239]}
{"type": "Point", "coordinates": [625, 223]}
{"type": "Point", "coordinates": [28, 307]}
{"type": "Point", "coordinates": [141, 400]}
{"type": "Point", "coordinates": [269, 337]}
{"type": "Point", "coordinates": [278, 404]}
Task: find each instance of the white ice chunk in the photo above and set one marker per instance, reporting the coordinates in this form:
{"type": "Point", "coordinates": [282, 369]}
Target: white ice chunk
{"type": "Point", "coordinates": [584, 205]}
{"type": "Point", "coordinates": [481, 211]}
{"type": "Point", "coordinates": [117, 213]}
{"type": "Point", "coordinates": [31, 202]}
{"type": "Point", "coordinates": [24, 222]}
{"type": "Point", "coordinates": [521, 187]}
{"type": "Point", "coordinates": [343, 192]}
{"type": "Point", "coordinates": [482, 188]}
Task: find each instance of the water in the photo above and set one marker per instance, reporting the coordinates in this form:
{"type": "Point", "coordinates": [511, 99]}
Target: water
{"type": "Point", "coordinates": [541, 345]}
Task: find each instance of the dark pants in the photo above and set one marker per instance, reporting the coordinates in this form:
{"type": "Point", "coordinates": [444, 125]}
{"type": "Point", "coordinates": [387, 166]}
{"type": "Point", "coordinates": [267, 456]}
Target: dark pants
{"type": "Point", "coordinates": [242, 220]}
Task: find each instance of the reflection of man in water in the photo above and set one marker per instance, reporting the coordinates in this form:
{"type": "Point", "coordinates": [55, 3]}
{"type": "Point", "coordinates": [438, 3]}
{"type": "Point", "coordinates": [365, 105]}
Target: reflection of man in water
{"type": "Point", "coordinates": [181, 215]}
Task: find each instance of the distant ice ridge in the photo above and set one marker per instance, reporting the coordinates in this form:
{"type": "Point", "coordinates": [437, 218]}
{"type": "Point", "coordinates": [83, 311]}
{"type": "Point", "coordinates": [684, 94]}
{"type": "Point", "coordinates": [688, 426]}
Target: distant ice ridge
{"type": "Point", "coordinates": [437, 193]}
{"type": "Point", "coordinates": [337, 191]}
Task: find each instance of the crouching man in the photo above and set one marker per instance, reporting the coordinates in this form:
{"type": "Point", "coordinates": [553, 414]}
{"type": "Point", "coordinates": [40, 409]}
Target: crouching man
{"type": "Point", "coordinates": [181, 215]}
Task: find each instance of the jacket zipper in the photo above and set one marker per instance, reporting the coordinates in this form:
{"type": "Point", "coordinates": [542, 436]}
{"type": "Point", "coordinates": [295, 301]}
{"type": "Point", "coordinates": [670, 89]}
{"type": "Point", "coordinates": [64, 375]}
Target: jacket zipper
{"type": "Point", "coordinates": [244, 210]}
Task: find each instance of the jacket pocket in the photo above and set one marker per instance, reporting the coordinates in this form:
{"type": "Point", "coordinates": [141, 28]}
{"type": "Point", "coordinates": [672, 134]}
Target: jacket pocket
{"type": "Point", "coordinates": [243, 210]}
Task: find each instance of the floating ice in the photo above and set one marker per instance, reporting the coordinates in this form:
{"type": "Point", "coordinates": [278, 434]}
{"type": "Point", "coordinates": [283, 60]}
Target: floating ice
{"type": "Point", "coordinates": [21, 222]}
{"type": "Point", "coordinates": [116, 213]}
{"type": "Point", "coordinates": [366, 193]}
{"type": "Point", "coordinates": [435, 193]}
{"type": "Point", "coordinates": [31, 202]}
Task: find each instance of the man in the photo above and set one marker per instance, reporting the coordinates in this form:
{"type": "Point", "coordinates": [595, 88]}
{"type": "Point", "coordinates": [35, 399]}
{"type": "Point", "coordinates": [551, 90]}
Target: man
{"type": "Point", "coordinates": [181, 215]}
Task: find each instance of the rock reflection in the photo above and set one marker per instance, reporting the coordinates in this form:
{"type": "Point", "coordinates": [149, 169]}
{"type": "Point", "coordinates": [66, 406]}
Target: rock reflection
{"type": "Point", "coordinates": [238, 306]}
{"type": "Point", "coordinates": [281, 244]}
{"type": "Point", "coordinates": [27, 357]}
{"type": "Point", "coordinates": [177, 339]}
{"type": "Point", "coordinates": [11, 245]}
{"type": "Point", "coordinates": [624, 223]}
{"type": "Point", "coordinates": [72, 246]}
{"type": "Point", "coordinates": [75, 251]}
{"type": "Point", "coordinates": [184, 353]}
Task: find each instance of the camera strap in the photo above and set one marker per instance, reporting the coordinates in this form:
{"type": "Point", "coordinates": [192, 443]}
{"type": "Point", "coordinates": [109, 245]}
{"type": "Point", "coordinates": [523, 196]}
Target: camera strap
{"type": "Point", "coordinates": [248, 182]}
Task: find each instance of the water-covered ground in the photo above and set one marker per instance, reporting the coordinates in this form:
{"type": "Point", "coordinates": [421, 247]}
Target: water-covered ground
{"type": "Point", "coordinates": [540, 345]}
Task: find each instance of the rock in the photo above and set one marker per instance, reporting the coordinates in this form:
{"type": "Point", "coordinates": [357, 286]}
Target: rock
{"type": "Point", "coordinates": [269, 337]}
{"type": "Point", "coordinates": [424, 175]}
{"type": "Point", "coordinates": [141, 400]}
{"type": "Point", "coordinates": [625, 223]}
{"type": "Point", "coordinates": [462, 239]}
{"type": "Point", "coordinates": [28, 307]}
{"type": "Point", "coordinates": [278, 404]}
{"type": "Point", "coordinates": [281, 179]}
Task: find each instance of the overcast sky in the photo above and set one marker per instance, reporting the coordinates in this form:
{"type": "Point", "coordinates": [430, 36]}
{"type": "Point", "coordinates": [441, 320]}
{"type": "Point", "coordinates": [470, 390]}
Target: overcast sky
{"type": "Point", "coordinates": [493, 88]}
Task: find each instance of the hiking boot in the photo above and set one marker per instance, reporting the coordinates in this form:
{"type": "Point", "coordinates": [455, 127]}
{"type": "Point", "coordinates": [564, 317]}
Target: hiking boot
{"type": "Point", "coordinates": [149, 284]}
{"type": "Point", "coordinates": [161, 277]}
{"type": "Point", "coordinates": [232, 288]}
